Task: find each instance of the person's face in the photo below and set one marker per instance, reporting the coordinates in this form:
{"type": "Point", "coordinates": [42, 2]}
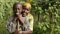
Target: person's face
{"type": "Point", "coordinates": [25, 10]}
{"type": "Point", "coordinates": [18, 8]}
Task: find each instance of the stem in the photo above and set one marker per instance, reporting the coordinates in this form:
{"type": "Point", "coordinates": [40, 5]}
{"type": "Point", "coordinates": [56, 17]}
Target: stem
{"type": "Point", "coordinates": [52, 29]}
{"type": "Point", "coordinates": [38, 16]}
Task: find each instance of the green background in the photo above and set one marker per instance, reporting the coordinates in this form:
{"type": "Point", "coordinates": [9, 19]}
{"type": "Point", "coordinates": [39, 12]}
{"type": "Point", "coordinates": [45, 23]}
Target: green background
{"type": "Point", "coordinates": [46, 15]}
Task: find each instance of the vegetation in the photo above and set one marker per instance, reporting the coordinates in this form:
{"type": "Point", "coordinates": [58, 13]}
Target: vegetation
{"type": "Point", "coordinates": [46, 15]}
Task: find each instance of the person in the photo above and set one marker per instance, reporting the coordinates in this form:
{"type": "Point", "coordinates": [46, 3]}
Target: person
{"type": "Point", "coordinates": [17, 22]}
{"type": "Point", "coordinates": [26, 7]}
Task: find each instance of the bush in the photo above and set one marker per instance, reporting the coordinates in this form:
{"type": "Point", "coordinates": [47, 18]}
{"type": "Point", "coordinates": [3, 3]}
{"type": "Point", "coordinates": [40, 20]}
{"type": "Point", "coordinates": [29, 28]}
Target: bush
{"type": "Point", "coordinates": [46, 15]}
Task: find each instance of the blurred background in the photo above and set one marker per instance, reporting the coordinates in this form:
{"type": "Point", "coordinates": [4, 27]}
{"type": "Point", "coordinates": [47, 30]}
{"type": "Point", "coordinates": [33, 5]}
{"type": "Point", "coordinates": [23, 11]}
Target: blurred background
{"type": "Point", "coordinates": [46, 15]}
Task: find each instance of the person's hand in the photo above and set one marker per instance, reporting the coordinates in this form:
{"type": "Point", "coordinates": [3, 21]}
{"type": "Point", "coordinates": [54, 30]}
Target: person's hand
{"type": "Point", "coordinates": [19, 17]}
{"type": "Point", "coordinates": [20, 32]}
{"type": "Point", "coordinates": [17, 14]}
{"type": "Point", "coordinates": [16, 32]}
{"type": "Point", "coordinates": [14, 19]}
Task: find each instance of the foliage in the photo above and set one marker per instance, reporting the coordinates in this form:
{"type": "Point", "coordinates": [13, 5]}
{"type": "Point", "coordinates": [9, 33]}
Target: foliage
{"type": "Point", "coordinates": [46, 15]}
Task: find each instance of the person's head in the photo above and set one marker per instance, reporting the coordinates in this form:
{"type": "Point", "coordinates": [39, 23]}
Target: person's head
{"type": "Point", "coordinates": [26, 8]}
{"type": "Point", "coordinates": [17, 8]}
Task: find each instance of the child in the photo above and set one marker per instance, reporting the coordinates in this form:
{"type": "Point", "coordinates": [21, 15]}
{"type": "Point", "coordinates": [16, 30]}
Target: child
{"type": "Point", "coordinates": [17, 21]}
{"type": "Point", "coordinates": [26, 7]}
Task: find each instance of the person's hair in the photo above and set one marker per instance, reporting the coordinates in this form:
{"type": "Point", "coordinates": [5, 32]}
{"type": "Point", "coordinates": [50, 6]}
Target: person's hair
{"type": "Point", "coordinates": [16, 3]}
{"type": "Point", "coordinates": [27, 4]}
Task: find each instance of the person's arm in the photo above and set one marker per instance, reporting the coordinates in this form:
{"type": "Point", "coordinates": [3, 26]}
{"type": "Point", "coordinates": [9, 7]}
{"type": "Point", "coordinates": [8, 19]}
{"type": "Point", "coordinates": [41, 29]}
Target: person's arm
{"type": "Point", "coordinates": [20, 18]}
{"type": "Point", "coordinates": [25, 32]}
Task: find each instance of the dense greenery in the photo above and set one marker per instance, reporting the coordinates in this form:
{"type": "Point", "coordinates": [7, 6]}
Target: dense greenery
{"type": "Point", "coordinates": [46, 15]}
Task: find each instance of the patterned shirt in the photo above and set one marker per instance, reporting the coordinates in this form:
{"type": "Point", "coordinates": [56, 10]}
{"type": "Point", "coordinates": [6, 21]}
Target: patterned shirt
{"type": "Point", "coordinates": [11, 26]}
